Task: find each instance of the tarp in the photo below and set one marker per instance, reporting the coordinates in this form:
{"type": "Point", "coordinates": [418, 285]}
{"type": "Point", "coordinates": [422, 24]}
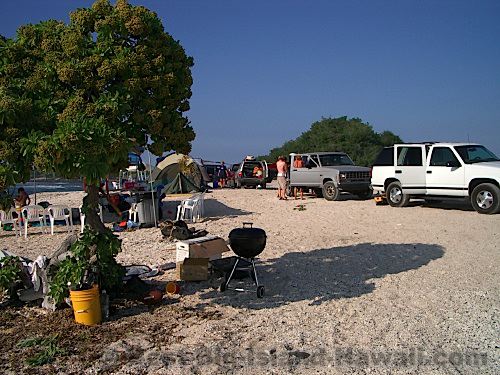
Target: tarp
{"type": "Point", "coordinates": [178, 173]}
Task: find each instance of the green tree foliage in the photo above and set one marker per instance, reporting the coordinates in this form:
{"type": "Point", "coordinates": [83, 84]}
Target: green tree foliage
{"type": "Point", "coordinates": [339, 134]}
{"type": "Point", "coordinates": [76, 98]}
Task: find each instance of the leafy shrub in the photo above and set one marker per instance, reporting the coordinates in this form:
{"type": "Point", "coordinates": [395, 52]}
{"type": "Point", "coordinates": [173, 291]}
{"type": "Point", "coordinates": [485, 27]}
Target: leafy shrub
{"type": "Point", "coordinates": [6, 200]}
{"type": "Point", "coordinates": [93, 252]}
{"type": "Point", "coordinates": [9, 272]}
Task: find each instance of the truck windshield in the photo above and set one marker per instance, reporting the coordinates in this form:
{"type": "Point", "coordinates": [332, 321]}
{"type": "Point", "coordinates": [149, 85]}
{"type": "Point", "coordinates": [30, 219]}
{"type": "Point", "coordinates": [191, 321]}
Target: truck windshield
{"type": "Point", "coordinates": [330, 160]}
{"type": "Point", "coordinates": [475, 154]}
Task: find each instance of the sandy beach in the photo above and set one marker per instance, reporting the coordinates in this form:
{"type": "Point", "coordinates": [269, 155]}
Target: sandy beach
{"type": "Point", "coordinates": [346, 283]}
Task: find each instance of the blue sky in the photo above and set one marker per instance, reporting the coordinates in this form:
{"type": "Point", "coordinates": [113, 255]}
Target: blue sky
{"type": "Point", "coordinates": [265, 70]}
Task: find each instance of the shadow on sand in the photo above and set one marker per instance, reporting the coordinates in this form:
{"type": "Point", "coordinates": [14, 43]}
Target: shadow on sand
{"type": "Point", "coordinates": [326, 274]}
{"type": "Point", "coordinates": [214, 210]}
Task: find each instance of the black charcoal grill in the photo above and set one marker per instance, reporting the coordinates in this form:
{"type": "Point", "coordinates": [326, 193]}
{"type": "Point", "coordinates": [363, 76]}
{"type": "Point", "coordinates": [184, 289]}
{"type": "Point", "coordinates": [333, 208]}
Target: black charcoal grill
{"type": "Point", "coordinates": [247, 243]}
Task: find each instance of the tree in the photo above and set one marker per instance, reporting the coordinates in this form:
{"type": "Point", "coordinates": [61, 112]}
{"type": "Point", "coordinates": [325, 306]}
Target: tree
{"type": "Point", "coordinates": [339, 134]}
{"type": "Point", "coordinates": [76, 98]}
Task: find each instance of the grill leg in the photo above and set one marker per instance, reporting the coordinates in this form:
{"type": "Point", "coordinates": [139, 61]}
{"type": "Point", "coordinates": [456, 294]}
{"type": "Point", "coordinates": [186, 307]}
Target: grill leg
{"type": "Point", "coordinates": [255, 272]}
{"type": "Point", "coordinates": [232, 272]}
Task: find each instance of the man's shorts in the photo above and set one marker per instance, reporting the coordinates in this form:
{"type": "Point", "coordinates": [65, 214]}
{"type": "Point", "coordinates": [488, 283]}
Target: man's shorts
{"type": "Point", "coordinates": [282, 182]}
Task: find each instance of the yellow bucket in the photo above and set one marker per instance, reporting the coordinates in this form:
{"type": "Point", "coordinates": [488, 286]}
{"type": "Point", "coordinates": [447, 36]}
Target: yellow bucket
{"type": "Point", "coordinates": [86, 306]}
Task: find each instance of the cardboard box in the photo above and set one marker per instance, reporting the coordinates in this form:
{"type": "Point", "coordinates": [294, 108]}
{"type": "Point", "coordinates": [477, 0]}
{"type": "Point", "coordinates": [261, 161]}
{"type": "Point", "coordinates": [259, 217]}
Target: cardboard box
{"type": "Point", "coordinates": [192, 269]}
{"type": "Point", "coordinates": [210, 247]}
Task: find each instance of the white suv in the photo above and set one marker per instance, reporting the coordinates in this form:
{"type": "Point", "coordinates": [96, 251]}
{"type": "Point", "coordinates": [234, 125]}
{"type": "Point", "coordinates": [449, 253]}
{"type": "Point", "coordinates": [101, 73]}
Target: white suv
{"type": "Point", "coordinates": [438, 171]}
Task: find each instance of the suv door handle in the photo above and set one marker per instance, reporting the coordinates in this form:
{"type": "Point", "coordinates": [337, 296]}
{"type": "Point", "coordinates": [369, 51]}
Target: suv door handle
{"type": "Point", "coordinates": [399, 171]}
{"type": "Point", "coordinates": [429, 172]}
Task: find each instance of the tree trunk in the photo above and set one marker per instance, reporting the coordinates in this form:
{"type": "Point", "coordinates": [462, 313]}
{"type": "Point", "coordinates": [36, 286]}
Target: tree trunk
{"type": "Point", "coordinates": [91, 209]}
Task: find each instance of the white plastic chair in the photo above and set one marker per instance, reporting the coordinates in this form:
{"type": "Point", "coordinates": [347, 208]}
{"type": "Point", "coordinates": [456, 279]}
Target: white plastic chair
{"type": "Point", "coordinates": [33, 213]}
{"type": "Point", "coordinates": [59, 213]}
{"type": "Point", "coordinates": [132, 213]}
{"type": "Point", "coordinates": [7, 218]}
{"type": "Point", "coordinates": [191, 209]}
{"type": "Point", "coordinates": [82, 217]}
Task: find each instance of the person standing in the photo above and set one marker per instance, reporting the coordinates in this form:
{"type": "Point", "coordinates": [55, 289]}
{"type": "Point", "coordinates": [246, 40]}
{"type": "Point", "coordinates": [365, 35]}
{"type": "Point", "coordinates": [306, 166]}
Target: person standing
{"type": "Point", "coordinates": [281, 167]}
{"type": "Point", "coordinates": [298, 163]}
{"type": "Point", "coordinates": [22, 199]}
{"type": "Point", "coordinates": [222, 174]}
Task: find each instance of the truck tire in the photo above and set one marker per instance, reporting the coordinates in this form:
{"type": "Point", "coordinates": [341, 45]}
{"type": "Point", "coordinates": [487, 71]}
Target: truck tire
{"type": "Point", "coordinates": [289, 190]}
{"type": "Point", "coordinates": [485, 198]}
{"type": "Point", "coordinates": [395, 195]}
{"type": "Point", "coordinates": [330, 191]}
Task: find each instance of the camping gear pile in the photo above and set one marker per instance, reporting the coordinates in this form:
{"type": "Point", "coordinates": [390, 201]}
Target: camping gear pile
{"type": "Point", "coordinates": [179, 230]}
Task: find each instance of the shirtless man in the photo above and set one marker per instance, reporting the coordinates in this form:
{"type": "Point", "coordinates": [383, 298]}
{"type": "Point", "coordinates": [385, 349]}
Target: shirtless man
{"type": "Point", "coordinates": [298, 163]}
{"type": "Point", "coordinates": [22, 198]}
{"type": "Point", "coordinates": [281, 167]}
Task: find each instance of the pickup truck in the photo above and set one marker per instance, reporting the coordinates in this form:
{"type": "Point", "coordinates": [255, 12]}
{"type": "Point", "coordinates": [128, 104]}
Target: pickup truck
{"type": "Point", "coordinates": [437, 171]}
{"type": "Point", "coordinates": [330, 174]}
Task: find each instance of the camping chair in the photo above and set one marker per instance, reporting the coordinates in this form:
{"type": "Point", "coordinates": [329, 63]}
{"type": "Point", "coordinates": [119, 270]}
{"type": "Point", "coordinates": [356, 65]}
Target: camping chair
{"type": "Point", "coordinates": [33, 213]}
{"type": "Point", "coordinates": [7, 218]}
{"type": "Point", "coordinates": [59, 213]}
{"type": "Point", "coordinates": [82, 218]}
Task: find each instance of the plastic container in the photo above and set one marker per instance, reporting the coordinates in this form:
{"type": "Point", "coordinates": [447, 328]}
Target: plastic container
{"type": "Point", "coordinates": [173, 288]}
{"type": "Point", "coordinates": [146, 211]}
{"type": "Point", "coordinates": [86, 306]}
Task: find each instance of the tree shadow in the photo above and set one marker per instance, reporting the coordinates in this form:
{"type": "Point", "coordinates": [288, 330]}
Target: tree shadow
{"type": "Point", "coordinates": [325, 274]}
{"type": "Point", "coordinates": [214, 210]}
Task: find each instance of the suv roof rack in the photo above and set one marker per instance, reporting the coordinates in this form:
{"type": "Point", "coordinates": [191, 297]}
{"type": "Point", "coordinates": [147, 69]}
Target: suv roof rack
{"type": "Point", "coordinates": [417, 143]}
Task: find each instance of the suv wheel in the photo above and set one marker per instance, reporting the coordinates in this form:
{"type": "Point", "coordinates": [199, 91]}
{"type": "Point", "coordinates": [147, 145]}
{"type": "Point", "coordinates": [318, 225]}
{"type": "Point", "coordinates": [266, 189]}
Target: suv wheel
{"type": "Point", "coordinates": [330, 191]}
{"type": "Point", "coordinates": [395, 195]}
{"type": "Point", "coordinates": [485, 198]}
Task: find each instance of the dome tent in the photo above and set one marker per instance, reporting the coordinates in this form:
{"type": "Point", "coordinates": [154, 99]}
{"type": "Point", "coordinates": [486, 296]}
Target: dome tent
{"type": "Point", "coordinates": [178, 173]}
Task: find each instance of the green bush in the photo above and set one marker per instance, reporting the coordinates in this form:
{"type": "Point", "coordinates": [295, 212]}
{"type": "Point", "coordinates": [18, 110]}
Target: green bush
{"type": "Point", "coordinates": [93, 252]}
{"type": "Point", "coordinates": [9, 272]}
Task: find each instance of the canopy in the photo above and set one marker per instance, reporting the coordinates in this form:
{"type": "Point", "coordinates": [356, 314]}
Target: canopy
{"type": "Point", "coordinates": [179, 174]}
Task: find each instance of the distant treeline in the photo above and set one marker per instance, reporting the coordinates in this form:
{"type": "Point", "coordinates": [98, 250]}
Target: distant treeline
{"type": "Point", "coordinates": [352, 136]}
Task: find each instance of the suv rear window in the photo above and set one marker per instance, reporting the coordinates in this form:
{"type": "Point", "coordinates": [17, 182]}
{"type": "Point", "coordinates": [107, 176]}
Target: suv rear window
{"type": "Point", "coordinates": [409, 156]}
{"type": "Point", "coordinates": [385, 158]}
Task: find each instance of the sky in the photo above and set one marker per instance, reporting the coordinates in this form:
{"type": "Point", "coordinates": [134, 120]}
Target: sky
{"type": "Point", "coordinates": [266, 70]}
